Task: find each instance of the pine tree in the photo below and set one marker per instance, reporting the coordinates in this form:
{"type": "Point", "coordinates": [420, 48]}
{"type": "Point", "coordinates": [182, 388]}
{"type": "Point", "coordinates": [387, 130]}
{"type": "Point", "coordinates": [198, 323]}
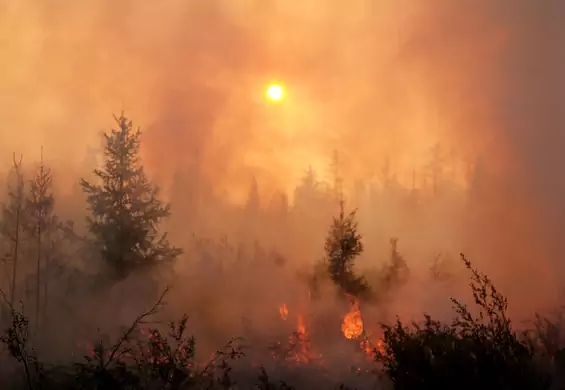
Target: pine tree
{"type": "Point", "coordinates": [40, 205]}
{"type": "Point", "coordinates": [435, 167]}
{"type": "Point", "coordinates": [336, 185]}
{"type": "Point", "coordinates": [253, 203]}
{"type": "Point", "coordinates": [343, 245]}
{"type": "Point", "coordinates": [397, 271]}
{"type": "Point", "coordinates": [13, 220]}
{"type": "Point", "coordinates": [125, 208]}
{"type": "Point", "coordinates": [387, 176]}
{"type": "Point", "coordinates": [307, 194]}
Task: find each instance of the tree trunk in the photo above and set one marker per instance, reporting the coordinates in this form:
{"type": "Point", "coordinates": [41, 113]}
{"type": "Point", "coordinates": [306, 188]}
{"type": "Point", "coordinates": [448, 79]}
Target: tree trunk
{"type": "Point", "coordinates": [38, 281]}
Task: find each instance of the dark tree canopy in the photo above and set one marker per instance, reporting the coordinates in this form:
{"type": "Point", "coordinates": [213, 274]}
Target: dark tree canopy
{"type": "Point", "coordinates": [124, 205]}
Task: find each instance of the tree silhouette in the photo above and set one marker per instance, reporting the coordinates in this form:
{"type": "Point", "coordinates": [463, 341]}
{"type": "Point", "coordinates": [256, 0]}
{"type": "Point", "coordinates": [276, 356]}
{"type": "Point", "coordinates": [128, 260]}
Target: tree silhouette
{"type": "Point", "coordinates": [125, 208]}
{"type": "Point", "coordinates": [387, 177]}
{"type": "Point", "coordinates": [40, 205]}
{"type": "Point", "coordinates": [478, 349]}
{"type": "Point", "coordinates": [343, 245]}
{"type": "Point", "coordinates": [253, 203]}
{"type": "Point", "coordinates": [310, 198]}
{"type": "Point", "coordinates": [13, 219]}
{"type": "Point", "coordinates": [396, 272]}
{"type": "Point", "coordinates": [336, 184]}
{"type": "Point", "coordinates": [435, 167]}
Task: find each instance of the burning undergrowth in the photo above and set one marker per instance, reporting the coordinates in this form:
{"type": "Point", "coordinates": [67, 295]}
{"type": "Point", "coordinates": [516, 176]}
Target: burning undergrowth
{"type": "Point", "coordinates": [146, 355]}
{"type": "Point", "coordinates": [312, 344]}
{"type": "Point", "coordinates": [315, 340]}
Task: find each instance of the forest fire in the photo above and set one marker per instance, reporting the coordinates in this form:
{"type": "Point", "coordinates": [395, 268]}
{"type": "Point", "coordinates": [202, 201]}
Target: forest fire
{"type": "Point", "coordinates": [353, 329]}
{"type": "Point", "coordinates": [297, 348]}
{"type": "Point", "coordinates": [304, 347]}
{"type": "Point", "coordinates": [301, 328]}
{"type": "Point", "coordinates": [380, 347]}
{"type": "Point", "coordinates": [371, 349]}
{"type": "Point", "coordinates": [352, 326]}
{"type": "Point", "coordinates": [283, 310]}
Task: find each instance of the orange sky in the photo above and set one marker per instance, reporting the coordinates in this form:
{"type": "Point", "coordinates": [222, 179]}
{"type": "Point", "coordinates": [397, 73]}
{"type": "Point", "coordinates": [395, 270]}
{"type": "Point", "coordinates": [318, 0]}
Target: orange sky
{"type": "Point", "coordinates": [206, 65]}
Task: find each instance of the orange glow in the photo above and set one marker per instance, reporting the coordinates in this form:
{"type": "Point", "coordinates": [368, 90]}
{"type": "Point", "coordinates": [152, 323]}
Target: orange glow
{"type": "Point", "coordinates": [352, 326]}
{"type": "Point", "coordinates": [303, 355]}
{"type": "Point", "coordinates": [301, 327]}
{"type": "Point", "coordinates": [283, 310]}
{"type": "Point", "coordinates": [380, 347]}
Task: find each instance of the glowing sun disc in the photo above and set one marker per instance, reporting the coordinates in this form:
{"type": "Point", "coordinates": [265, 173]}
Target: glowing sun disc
{"type": "Point", "coordinates": [275, 92]}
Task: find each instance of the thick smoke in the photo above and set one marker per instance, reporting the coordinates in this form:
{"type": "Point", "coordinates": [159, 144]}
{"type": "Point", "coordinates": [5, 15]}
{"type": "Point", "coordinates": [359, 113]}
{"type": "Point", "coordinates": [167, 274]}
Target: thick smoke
{"type": "Point", "coordinates": [494, 71]}
{"type": "Point", "coordinates": [375, 80]}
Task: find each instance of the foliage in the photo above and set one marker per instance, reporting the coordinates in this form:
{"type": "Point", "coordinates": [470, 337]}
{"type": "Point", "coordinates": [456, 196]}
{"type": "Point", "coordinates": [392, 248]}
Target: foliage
{"type": "Point", "coordinates": [266, 384]}
{"type": "Point", "coordinates": [343, 245]}
{"type": "Point", "coordinates": [139, 359]}
{"type": "Point", "coordinates": [396, 271]}
{"type": "Point", "coordinates": [13, 221]}
{"type": "Point", "coordinates": [125, 207]}
{"type": "Point", "coordinates": [473, 352]}
{"type": "Point", "coordinates": [41, 223]}
{"type": "Point", "coordinates": [440, 270]}
{"type": "Point", "coordinates": [40, 202]}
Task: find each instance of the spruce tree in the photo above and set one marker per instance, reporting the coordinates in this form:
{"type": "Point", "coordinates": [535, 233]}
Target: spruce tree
{"type": "Point", "coordinates": [343, 245]}
{"type": "Point", "coordinates": [13, 220]}
{"type": "Point", "coordinates": [40, 205]}
{"type": "Point", "coordinates": [253, 203]}
{"type": "Point", "coordinates": [336, 185]}
{"type": "Point", "coordinates": [125, 208]}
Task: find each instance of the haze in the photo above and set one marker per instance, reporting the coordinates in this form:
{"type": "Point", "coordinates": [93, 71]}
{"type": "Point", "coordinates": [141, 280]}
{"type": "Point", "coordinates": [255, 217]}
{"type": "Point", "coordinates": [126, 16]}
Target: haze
{"type": "Point", "coordinates": [374, 80]}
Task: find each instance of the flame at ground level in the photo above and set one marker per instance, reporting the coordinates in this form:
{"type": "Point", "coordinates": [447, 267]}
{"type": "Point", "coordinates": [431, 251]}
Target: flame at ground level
{"type": "Point", "coordinates": [300, 350]}
{"type": "Point", "coordinates": [283, 310]}
{"type": "Point", "coordinates": [352, 326]}
{"type": "Point", "coordinates": [301, 327]}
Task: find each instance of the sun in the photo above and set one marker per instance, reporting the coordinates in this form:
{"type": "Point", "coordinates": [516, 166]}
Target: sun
{"type": "Point", "coordinates": [275, 92]}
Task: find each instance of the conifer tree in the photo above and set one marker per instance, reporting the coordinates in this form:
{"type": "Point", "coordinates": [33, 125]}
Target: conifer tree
{"type": "Point", "coordinates": [397, 271]}
{"type": "Point", "coordinates": [125, 208]}
{"type": "Point", "coordinates": [387, 176]}
{"type": "Point", "coordinates": [253, 203]}
{"type": "Point", "coordinates": [13, 220]}
{"type": "Point", "coordinates": [436, 167]}
{"type": "Point", "coordinates": [343, 245]}
{"type": "Point", "coordinates": [307, 194]}
{"type": "Point", "coordinates": [336, 178]}
{"type": "Point", "coordinates": [40, 206]}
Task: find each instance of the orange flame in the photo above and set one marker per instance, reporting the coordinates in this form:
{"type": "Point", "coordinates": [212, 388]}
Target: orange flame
{"type": "Point", "coordinates": [381, 347]}
{"type": "Point", "coordinates": [352, 326]}
{"type": "Point", "coordinates": [367, 347]}
{"type": "Point", "coordinates": [301, 327]}
{"type": "Point", "coordinates": [283, 310]}
{"type": "Point", "coordinates": [304, 355]}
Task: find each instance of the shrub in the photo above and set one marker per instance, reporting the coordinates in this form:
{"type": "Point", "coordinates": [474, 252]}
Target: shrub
{"type": "Point", "coordinates": [470, 353]}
